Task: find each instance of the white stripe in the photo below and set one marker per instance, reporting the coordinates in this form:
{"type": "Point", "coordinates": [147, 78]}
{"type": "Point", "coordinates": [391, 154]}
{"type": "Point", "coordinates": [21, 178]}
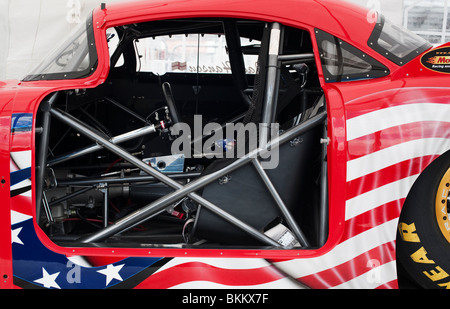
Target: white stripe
{"type": "Point", "coordinates": [225, 263]}
{"type": "Point", "coordinates": [373, 278]}
{"type": "Point", "coordinates": [79, 260]}
{"type": "Point", "coordinates": [284, 283]}
{"type": "Point", "coordinates": [379, 196]}
{"type": "Point", "coordinates": [344, 252]}
{"type": "Point", "coordinates": [394, 116]}
{"type": "Point", "coordinates": [22, 158]}
{"type": "Point", "coordinates": [17, 217]}
{"type": "Point", "coordinates": [395, 154]}
{"type": "Point", "coordinates": [24, 183]}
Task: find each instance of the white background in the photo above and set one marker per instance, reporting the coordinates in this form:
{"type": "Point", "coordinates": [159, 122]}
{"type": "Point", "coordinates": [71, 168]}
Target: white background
{"type": "Point", "coordinates": [30, 29]}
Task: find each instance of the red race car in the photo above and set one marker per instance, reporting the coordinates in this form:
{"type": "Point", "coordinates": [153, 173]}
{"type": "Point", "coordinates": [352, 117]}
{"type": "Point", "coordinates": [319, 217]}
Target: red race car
{"type": "Point", "coordinates": [302, 144]}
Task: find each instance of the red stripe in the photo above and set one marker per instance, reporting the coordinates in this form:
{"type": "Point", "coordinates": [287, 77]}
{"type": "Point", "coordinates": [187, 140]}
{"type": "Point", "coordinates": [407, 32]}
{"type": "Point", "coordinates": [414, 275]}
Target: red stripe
{"type": "Point", "coordinates": [21, 141]}
{"type": "Point", "coordinates": [372, 218]}
{"type": "Point", "coordinates": [197, 271]}
{"type": "Point", "coordinates": [97, 261]}
{"type": "Point", "coordinates": [351, 269]}
{"type": "Point", "coordinates": [389, 137]}
{"type": "Point", "coordinates": [387, 175]}
{"type": "Point", "coordinates": [21, 204]}
{"type": "Point", "coordinates": [360, 108]}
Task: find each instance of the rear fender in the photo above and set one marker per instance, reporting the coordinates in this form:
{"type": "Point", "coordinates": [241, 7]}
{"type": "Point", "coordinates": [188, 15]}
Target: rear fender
{"type": "Point", "coordinates": [392, 136]}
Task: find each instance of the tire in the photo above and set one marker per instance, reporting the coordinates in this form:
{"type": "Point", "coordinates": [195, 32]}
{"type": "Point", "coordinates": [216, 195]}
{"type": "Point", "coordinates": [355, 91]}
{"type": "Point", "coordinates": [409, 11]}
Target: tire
{"type": "Point", "coordinates": [423, 235]}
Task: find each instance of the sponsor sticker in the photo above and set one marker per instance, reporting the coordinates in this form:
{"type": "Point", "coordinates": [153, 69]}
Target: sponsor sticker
{"type": "Point", "coordinates": [437, 60]}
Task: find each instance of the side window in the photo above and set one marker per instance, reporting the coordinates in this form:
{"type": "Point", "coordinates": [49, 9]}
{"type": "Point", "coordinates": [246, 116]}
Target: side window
{"type": "Point", "coordinates": [344, 62]}
{"type": "Point", "coordinates": [396, 43]}
{"type": "Point", "coordinates": [184, 53]}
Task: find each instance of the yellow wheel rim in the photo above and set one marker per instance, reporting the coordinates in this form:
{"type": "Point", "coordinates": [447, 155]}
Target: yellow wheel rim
{"type": "Point", "coordinates": [442, 209]}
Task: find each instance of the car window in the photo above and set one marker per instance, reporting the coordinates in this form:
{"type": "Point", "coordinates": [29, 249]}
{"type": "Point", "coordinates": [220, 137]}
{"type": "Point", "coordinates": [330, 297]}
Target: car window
{"type": "Point", "coordinates": [396, 43]}
{"type": "Point", "coordinates": [184, 53]}
{"type": "Point", "coordinates": [343, 62]}
{"type": "Point", "coordinates": [75, 58]}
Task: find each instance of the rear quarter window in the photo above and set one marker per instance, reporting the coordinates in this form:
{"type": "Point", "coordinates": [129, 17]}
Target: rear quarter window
{"type": "Point", "coordinates": [396, 43]}
{"type": "Point", "coordinates": [343, 62]}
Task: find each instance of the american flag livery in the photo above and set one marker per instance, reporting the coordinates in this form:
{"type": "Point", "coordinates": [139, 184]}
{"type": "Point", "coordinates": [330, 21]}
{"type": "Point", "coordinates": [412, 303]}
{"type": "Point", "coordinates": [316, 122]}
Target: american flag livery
{"type": "Point", "coordinates": [391, 138]}
{"type": "Point", "coordinates": [388, 145]}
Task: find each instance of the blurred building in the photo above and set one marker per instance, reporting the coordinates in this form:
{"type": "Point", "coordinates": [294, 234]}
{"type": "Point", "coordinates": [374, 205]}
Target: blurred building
{"type": "Point", "coordinates": [429, 19]}
{"type": "Point", "coordinates": [29, 29]}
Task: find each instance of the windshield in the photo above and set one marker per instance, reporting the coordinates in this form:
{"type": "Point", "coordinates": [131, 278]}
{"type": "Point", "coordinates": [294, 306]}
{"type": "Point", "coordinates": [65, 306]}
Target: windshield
{"type": "Point", "coordinates": [396, 43]}
{"type": "Point", "coordinates": [76, 58]}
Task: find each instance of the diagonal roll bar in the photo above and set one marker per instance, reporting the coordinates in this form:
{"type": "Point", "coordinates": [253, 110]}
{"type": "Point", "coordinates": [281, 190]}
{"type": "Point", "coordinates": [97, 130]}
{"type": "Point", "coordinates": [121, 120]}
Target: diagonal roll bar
{"type": "Point", "coordinates": [181, 191]}
{"type": "Point", "coordinates": [157, 206]}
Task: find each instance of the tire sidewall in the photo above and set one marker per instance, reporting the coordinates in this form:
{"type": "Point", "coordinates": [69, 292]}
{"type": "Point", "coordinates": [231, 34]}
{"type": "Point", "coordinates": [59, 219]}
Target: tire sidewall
{"type": "Point", "coordinates": [430, 267]}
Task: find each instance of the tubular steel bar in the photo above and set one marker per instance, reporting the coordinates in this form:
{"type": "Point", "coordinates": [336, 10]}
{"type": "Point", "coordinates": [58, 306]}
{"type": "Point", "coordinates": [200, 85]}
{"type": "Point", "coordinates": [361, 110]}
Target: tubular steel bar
{"type": "Point", "coordinates": [71, 195]}
{"type": "Point", "coordinates": [323, 226]}
{"type": "Point", "coordinates": [127, 110]}
{"type": "Point", "coordinates": [287, 215]}
{"type": "Point", "coordinates": [83, 181]}
{"type": "Point", "coordinates": [188, 189]}
{"type": "Point", "coordinates": [42, 153]}
{"type": "Point", "coordinates": [173, 197]}
{"type": "Point", "coordinates": [115, 140]}
{"type": "Point", "coordinates": [162, 203]}
{"type": "Point", "coordinates": [305, 56]}
{"type": "Point", "coordinates": [272, 82]}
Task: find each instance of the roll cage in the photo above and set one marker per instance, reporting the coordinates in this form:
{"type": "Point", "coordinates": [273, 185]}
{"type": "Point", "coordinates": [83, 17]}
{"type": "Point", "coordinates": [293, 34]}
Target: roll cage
{"type": "Point", "coordinates": [208, 202]}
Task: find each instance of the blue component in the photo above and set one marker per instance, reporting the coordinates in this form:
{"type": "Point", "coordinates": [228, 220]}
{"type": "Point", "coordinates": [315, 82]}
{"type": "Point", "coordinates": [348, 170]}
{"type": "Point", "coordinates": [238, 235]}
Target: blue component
{"type": "Point", "coordinates": [20, 175]}
{"type": "Point", "coordinates": [167, 164]}
{"type": "Point", "coordinates": [21, 122]}
{"type": "Point", "coordinates": [37, 266]}
{"type": "Point", "coordinates": [226, 144]}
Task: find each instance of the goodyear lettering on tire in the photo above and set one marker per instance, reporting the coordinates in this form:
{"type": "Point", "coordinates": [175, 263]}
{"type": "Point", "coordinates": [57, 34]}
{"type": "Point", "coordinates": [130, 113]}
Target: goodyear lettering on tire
{"type": "Point", "coordinates": [421, 257]}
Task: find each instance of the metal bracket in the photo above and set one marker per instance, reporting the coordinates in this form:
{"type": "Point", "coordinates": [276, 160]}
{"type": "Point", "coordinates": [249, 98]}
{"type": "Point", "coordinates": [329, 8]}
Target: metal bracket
{"type": "Point", "coordinates": [296, 141]}
{"type": "Point", "coordinates": [224, 180]}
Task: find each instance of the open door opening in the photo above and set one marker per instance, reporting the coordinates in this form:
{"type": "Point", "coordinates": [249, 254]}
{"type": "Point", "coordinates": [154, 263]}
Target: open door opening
{"type": "Point", "coordinates": [209, 133]}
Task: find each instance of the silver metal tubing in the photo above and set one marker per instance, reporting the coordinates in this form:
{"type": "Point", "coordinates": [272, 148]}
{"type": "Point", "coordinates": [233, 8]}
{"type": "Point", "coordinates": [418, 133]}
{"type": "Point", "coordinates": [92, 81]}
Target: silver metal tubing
{"type": "Point", "coordinates": [200, 137]}
{"type": "Point", "coordinates": [42, 153]}
{"type": "Point", "coordinates": [160, 204]}
{"type": "Point", "coordinates": [71, 195]}
{"type": "Point", "coordinates": [127, 110]}
{"type": "Point", "coordinates": [271, 92]}
{"type": "Point", "coordinates": [287, 215]}
{"type": "Point", "coordinates": [47, 209]}
{"type": "Point", "coordinates": [105, 192]}
{"type": "Point", "coordinates": [323, 225]}
{"type": "Point", "coordinates": [115, 140]}
{"type": "Point", "coordinates": [305, 56]}
{"type": "Point", "coordinates": [85, 181]}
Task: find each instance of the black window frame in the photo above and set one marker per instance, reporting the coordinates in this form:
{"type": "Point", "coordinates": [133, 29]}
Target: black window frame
{"type": "Point", "coordinates": [378, 69]}
{"type": "Point", "coordinates": [93, 61]}
{"type": "Point", "coordinates": [400, 61]}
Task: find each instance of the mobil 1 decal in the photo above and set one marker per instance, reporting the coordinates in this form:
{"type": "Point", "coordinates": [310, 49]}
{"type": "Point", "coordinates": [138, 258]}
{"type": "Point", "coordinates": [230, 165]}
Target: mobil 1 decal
{"type": "Point", "coordinates": [437, 60]}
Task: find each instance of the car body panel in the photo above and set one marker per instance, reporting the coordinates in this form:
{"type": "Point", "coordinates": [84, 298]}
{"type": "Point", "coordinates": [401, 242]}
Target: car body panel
{"type": "Point", "coordinates": [370, 172]}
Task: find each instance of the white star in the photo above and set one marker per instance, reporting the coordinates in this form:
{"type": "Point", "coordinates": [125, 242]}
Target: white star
{"type": "Point", "coordinates": [15, 236]}
{"type": "Point", "coordinates": [47, 280]}
{"type": "Point", "coordinates": [111, 272]}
